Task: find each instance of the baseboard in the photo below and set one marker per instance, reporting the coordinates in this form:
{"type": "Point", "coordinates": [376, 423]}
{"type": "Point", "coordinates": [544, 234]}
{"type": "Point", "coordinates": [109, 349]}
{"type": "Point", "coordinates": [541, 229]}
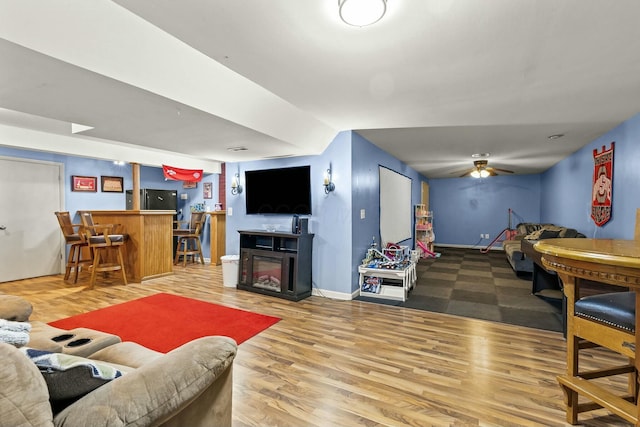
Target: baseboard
{"type": "Point", "coordinates": [493, 248]}
{"type": "Point", "coordinates": [334, 295]}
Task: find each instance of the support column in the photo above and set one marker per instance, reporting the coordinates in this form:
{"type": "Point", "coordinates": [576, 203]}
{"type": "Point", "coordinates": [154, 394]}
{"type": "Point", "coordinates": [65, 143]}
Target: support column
{"type": "Point", "coordinates": [135, 174]}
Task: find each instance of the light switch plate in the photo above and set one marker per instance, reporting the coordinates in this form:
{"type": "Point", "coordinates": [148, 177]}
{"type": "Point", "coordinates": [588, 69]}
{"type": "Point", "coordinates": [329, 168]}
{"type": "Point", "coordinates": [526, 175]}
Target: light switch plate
{"type": "Point", "coordinates": [362, 214]}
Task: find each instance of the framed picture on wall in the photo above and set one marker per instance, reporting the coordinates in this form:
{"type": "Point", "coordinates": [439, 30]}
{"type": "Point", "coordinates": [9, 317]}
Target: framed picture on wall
{"type": "Point", "coordinates": [111, 184]}
{"type": "Point", "coordinates": [189, 184]}
{"type": "Point", "coordinates": [84, 183]}
{"type": "Point", "coordinates": [207, 190]}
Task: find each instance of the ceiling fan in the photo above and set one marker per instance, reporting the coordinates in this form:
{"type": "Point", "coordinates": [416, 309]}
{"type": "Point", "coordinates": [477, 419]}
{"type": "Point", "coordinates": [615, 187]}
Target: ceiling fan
{"type": "Point", "coordinates": [481, 170]}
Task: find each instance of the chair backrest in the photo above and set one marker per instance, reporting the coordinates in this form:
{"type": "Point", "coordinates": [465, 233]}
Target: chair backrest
{"type": "Point", "coordinates": [87, 221]}
{"type": "Point", "coordinates": [64, 219]}
{"type": "Point", "coordinates": [195, 223]}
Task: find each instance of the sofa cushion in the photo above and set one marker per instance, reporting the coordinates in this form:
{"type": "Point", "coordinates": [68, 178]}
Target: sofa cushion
{"type": "Point", "coordinates": [548, 234]}
{"type": "Point", "coordinates": [24, 400]}
{"type": "Point", "coordinates": [569, 233]}
{"type": "Point", "coordinates": [153, 393]}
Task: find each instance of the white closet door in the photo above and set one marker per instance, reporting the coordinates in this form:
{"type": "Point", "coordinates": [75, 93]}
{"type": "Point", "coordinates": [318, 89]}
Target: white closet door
{"type": "Point", "coordinates": [30, 237]}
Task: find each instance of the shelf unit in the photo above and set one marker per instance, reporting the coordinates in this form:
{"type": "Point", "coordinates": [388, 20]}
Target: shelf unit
{"type": "Point", "coordinates": [395, 285]}
{"type": "Point", "coordinates": [423, 227]}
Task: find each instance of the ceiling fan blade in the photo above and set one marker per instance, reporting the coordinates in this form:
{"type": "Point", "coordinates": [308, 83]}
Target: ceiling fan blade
{"type": "Point", "coordinates": [463, 171]}
{"type": "Point", "coordinates": [501, 170]}
{"type": "Point", "coordinates": [465, 174]}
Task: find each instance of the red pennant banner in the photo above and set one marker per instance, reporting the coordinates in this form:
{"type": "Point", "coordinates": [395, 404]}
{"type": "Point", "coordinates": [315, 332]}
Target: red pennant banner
{"type": "Point", "coordinates": [178, 174]}
{"type": "Point", "coordinates": [601, 200]}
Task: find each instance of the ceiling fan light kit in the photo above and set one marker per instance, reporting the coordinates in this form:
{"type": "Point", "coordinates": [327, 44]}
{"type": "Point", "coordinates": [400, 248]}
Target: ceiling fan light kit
{"type": "Point", "coordinates": [361, 13]}
{"type": "Point", "coordinates": [482, 170]}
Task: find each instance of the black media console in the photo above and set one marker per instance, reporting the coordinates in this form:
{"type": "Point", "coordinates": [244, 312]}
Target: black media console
{"type": "Point", "coordinates": [274, 263]}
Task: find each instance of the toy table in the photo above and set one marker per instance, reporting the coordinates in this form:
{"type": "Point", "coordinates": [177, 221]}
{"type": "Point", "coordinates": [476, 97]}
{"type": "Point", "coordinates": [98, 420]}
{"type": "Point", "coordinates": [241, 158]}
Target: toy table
{"type": "Point", "coordinates": [405, 279]}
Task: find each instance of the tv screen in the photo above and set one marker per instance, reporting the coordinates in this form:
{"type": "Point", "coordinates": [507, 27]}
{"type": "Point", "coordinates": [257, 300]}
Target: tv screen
{"type": "Point", "coordinates": [279, 191]}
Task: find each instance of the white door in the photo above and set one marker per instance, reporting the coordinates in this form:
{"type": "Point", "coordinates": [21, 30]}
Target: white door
{"type": "Point", "coordinates": [30, 237]}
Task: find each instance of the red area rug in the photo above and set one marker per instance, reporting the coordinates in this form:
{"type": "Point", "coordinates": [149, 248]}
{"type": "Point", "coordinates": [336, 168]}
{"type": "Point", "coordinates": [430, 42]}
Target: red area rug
{"type": "Point", "coordinates": [163, 322]}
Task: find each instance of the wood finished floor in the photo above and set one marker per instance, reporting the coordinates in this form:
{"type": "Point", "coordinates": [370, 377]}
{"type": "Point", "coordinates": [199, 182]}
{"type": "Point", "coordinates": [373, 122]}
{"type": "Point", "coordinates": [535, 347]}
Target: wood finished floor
{"type": "Point", "coordinates": [353, 363]}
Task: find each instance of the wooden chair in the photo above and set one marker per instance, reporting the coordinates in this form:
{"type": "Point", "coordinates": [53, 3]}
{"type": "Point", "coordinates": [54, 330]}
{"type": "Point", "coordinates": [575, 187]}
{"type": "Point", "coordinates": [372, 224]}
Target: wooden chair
{"type": "Point", "coordinates": [103, 238]}
{"type": "Point", "coordinates": [75, 239]}
{"type": "Point", "coordinates": [602, 320]}
{"type": "Point", "coordinates": [189, 239]}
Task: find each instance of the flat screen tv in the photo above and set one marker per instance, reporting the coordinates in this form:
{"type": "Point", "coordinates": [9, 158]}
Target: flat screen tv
{"type": "Point", "coordinates": [279, 191]}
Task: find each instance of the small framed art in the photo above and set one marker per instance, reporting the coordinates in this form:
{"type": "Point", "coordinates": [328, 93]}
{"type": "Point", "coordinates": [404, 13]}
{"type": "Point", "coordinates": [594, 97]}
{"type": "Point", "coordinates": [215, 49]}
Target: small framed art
{"type": "Point", "coordinates": [207, 190]}
{"type": "Point", "coordinates": [111, 184]}
{"type": "Point", "coordinates": [189, 184]}
{"type": "Point", "coordinates": [84, 183]}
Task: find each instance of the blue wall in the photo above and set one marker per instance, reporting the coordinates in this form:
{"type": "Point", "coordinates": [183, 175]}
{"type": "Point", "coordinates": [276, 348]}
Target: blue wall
{"type": "Point", "coordinates": [341, 238]}
{"type": "Point", "coordinates": [330, 221]}
{"type": "Point", "coordinates": [150, 177]}
{"type": "Point", "coordinates": [367, 158]}
{"type": "Point", "coordinates": [464, 208]}
{"type": "Point", "coordinates": [567, 187]}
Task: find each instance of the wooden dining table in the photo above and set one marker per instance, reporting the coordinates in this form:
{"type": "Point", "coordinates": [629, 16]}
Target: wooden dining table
{"type": "Point", "coordinates": [608, 261]}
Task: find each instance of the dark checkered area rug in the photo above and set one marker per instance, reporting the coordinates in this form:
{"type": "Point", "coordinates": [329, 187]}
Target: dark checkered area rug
{"type": "Point", "coordinates": [465, 282]}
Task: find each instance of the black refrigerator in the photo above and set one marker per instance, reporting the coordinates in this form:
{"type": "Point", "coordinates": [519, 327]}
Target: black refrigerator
{"type": "Point", "coordinates": [166, 200]}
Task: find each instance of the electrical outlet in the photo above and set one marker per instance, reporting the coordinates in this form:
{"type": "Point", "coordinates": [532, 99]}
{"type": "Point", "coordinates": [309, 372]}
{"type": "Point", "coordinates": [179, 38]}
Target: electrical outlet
{"type": "Point", "coordinates": [486, 236]}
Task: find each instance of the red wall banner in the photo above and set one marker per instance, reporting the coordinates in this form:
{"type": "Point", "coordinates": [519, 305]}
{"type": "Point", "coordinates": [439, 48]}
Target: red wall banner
{"type": "Point", "coordinates": [602, 186]}
{"type": "Point", "coordinates": [178, 174]}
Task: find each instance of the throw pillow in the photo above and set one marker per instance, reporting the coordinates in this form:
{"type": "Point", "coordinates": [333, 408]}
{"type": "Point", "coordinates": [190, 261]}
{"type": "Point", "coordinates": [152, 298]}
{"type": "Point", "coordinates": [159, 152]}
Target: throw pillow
{"type": "Point", "coordinates": [68, 376]}
{"type": "Point", "coordinates": [73, 383]}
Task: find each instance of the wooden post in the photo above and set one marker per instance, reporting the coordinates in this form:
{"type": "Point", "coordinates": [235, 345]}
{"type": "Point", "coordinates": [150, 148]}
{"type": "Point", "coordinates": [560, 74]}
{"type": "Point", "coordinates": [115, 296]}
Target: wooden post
{"type": "Point", "coordinates": [135, 173]}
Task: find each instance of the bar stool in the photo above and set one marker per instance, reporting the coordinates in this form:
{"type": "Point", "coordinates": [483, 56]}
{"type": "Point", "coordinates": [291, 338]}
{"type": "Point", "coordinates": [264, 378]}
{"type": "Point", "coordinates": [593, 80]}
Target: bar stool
{"type": "Point", "coordinates": [75, 239]}
{"type": "Point", "coordinates": [604, 320]}
{"type": "Point", "coordinates": [103, 238]}
{"type": "Point", "coordinates": [189, 239]}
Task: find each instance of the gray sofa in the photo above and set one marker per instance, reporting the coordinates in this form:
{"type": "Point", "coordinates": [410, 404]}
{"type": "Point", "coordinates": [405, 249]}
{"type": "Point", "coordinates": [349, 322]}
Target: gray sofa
{"type": "Point", "coordinates": [532, 231]}
{"type": "Point", "coordinates": [189, 386]}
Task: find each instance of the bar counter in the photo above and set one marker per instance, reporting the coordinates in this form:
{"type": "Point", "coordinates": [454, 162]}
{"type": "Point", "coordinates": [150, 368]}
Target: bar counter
{"type": "Point", "coordinates": [149, 250]}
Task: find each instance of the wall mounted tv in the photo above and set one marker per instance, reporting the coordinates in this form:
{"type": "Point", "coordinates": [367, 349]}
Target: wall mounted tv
{"type": "Point", "coordinates": [278, 191]}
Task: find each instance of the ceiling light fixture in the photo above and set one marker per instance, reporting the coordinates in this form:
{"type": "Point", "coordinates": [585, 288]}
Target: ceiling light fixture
{"type": "Point", "coordinates": [480, 173]}
{"type": "Point", "coordinates": [480, 155]}
{"type": "Point", "coordinates": [556, 136]}
{"type": "Point", "coordinates": [361, 13]}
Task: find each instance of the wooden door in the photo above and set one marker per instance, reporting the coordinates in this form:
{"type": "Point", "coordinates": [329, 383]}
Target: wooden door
{"type": "Point", "coordinates": [31, 242]}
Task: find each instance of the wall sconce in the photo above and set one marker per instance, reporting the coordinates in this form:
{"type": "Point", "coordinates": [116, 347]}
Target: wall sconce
{"type": "Point", "coordinates": [236, 188]}
{"type": "Point", "coordinates": [328, 185]}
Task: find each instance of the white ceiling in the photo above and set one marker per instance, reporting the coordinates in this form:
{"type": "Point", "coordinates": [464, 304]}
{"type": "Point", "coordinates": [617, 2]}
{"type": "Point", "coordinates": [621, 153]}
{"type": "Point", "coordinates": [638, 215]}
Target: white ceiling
{"type": "Point", "coordinates": [431, 83]}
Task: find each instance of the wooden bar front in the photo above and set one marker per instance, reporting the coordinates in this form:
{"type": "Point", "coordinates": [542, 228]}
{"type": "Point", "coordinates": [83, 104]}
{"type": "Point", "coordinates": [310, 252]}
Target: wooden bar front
{"type": "Point", "coordinates": [149, 250]}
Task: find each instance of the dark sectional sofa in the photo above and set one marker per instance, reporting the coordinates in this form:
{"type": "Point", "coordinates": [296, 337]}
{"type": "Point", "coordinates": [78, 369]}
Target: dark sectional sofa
{"type": "Point", "coordinates": [532, 231]}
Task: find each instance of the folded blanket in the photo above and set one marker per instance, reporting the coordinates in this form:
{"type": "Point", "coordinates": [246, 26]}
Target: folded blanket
{"type": "Point", "coordinates": [46, 360]}
{"type": "Point", "coordinates": [17, 339]}
{"type": "Point", "coordinates": [10, 325]}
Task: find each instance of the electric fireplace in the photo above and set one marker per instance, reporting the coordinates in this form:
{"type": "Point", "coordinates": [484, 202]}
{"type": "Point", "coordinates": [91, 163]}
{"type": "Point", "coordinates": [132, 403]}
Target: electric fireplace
{"type": "Point", "coordinates": [277, 264]}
